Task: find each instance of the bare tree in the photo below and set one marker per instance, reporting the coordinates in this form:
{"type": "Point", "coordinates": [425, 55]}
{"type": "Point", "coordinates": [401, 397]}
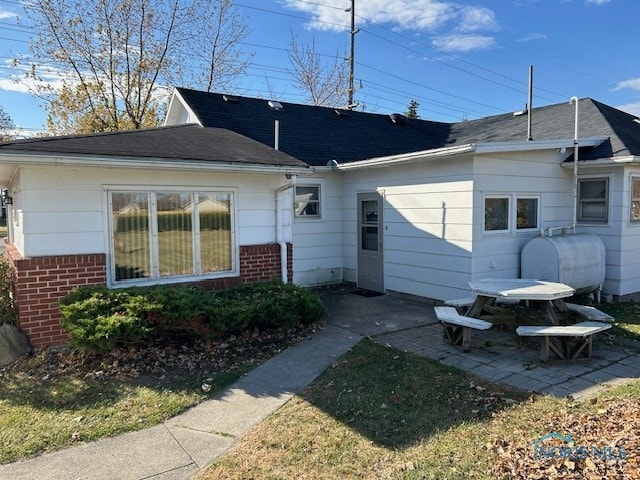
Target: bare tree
{"type": "Point", "coordinates": [118, 58]}
{"type": "Point", "coordinates": [6, 124]}
{"type": "Point", "coordinates": [324, 83]}
{"type": "Point", "coordinates": [217, 43]}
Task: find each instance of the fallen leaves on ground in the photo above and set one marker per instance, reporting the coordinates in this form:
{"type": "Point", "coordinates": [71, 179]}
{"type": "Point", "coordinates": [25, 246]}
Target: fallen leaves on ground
{"type": "Point", "coordinates": [612, 428]}
{"type": "Point", "coordinates": [158, 360]}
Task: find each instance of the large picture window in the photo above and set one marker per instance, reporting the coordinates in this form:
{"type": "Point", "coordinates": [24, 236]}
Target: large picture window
{"type": "Point", "coordinates": [635, 199]}
{"type": "Point", "coordinates": [593, 200]}
{"type": "Point", "coordinates": [170, 234]}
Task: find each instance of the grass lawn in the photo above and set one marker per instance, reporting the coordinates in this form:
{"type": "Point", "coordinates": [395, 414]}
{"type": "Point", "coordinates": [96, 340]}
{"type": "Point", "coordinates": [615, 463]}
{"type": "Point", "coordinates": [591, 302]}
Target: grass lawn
{"type": "Point", "coordinates": [55, 399]}
{"type": "Point", "coordinates": [382, 413]}
{"type": "Point", "coordinates": [627, 316]}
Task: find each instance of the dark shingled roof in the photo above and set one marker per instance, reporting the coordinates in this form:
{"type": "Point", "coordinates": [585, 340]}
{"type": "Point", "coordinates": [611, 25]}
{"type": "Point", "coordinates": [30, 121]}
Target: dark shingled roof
{"type": "Point", "coordinates": [174, 143]}
{"type": "Point", "coordinates": [318, 135]}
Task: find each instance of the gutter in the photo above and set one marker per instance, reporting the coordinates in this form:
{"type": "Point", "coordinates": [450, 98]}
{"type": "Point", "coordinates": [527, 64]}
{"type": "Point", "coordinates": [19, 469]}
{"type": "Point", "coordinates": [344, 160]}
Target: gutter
{"type": "Point", "coordinates": [605, 162]}
{"type": "Point", "coordinates": [479, 148]}
{"type": "Point", "coordinates": [159, 163]}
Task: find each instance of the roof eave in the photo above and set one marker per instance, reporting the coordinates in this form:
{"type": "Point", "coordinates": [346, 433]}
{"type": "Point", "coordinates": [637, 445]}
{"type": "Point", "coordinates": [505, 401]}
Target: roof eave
{"type": "Point", "coordinates": [503, 147]}
{"type": "Point", "coordinates": [405, 158]}
{"type": "Point", "coordinates": [605, 162]}
{"type": "Point", "coordinates": [20, 158]}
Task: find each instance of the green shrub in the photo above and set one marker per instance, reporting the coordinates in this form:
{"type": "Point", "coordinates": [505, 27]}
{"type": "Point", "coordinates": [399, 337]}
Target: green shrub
{"type": "Point", "coordinates": [99, 318]}
{"type": "Point", "coordinates": [7, 312]}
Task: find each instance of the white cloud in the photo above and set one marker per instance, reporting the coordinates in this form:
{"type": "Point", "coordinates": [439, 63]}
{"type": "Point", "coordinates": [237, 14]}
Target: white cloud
{"type": "Point", "coordinates": [532, 36]}
{"type": "Point", "coordinates": [597, 2]}
{"type": "Point", "coordinates": [461, 43]}
{"type": "Point", "coordinates": [421, 15]}
{"type": "Point", "coordinates": [632, 108]}
{"type": "Point", "coordinates": [6, 14]}
{"type": "Point", "coordinates": [631, 84]}
{"type": "Point", "coordinates": [20, 82]}
{"type": "Point", "coordinates": [416, 15]}
{"type": "Point", "coordinates": [473, 19]}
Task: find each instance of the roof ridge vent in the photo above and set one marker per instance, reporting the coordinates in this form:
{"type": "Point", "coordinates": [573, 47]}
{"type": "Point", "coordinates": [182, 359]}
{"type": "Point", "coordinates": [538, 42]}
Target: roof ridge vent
{"type": "Point", "coordinates": [399, 119]}
{"type": "Point", "coordinates": [230, 99]}
{"type": "Point", "coordinates": [273, 105]}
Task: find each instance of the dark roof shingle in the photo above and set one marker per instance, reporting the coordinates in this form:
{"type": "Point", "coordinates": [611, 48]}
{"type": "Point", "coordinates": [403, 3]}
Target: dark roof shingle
{"type": "Point", "coordinates": [318, 134]}
{"type": "Point", "coordinates": [173, 143]}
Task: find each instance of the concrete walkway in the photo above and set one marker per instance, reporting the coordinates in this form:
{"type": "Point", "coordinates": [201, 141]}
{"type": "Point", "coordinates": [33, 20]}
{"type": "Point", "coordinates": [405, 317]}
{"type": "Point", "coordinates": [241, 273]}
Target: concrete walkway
{"type": "Point", "coordinates": [180, 447]}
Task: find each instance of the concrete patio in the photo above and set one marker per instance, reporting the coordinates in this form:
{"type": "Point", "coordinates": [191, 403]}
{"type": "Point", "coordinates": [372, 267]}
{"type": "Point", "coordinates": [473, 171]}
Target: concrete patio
{"type": "Point", "coordinates": [497, 355]}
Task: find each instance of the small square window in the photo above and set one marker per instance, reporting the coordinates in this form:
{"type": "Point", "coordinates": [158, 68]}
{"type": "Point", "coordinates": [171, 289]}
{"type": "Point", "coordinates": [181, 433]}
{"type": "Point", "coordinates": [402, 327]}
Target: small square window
{"type": "Point", "coordinates": [635, 199]}
{"type": "Point", "coordinates": [307, 201]}
{"type": "Point", "coordinates": [496, 214]}
{"type": "Point", "coordinates": [527, 213]}
{"type": "Point", "coordinates": [593, 200]}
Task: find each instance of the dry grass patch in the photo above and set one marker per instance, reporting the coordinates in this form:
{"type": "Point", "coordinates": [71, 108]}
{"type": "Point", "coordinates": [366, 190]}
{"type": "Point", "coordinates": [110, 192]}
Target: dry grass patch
{"type": "Point", "coordinates": [380, 413]}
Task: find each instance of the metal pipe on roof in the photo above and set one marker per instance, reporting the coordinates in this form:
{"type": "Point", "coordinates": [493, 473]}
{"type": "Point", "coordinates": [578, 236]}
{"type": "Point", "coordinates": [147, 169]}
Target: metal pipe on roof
{"type": "Point", "coordinates": [530, 104]}
{"type": "Point", "coordinates": [276, 143]}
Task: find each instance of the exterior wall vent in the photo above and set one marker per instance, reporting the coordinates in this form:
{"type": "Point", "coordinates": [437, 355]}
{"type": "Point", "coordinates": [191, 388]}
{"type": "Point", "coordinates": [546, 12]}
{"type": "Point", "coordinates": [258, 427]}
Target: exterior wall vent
{"type": "Point", "coordinates": [399, 119]}
{"type": "Point", "coordinates": [273, 105]}
{"type": "Point", "coordinates": [230, 99]}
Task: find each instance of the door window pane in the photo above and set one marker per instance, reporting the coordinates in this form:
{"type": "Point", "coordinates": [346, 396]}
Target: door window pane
{"type": "Point", "coordinates": [131, 248]}
{"type": "Point", "coordinates": [215, 231]}
{"type": "Point", "coordinates": [496, 214]}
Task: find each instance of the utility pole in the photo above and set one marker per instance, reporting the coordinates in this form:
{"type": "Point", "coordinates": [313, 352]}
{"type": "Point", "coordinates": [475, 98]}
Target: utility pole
{"type": "Point", "coordinates": [350, 103]}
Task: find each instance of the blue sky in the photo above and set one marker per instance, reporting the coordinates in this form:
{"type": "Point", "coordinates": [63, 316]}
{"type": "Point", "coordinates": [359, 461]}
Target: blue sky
{"type": "Point", "coordinates": [457, 59]}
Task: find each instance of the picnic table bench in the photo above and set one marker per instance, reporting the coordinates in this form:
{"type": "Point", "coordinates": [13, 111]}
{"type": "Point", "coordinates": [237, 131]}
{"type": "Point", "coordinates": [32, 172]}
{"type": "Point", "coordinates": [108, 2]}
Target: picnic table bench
{"type": "Point", "coordinates": [558, 338]}
{"type": "Point", "coordinates": [457, 328]}
{"type": "Point", "coordinates": [590, 313]}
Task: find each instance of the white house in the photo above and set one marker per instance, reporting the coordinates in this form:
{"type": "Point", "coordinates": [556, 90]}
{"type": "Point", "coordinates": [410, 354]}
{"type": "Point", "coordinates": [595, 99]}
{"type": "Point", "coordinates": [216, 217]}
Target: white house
{"type": "Point", "coordinates": [390, 203]}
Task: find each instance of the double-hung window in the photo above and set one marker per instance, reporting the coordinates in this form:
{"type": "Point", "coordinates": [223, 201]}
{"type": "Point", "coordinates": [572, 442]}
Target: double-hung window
{"type": "Point", "coordinates": [162, 234]}
{"type": "Point", "coordinates": [593, 200]}
{"type": "Point", "coordinates": [635, 199]}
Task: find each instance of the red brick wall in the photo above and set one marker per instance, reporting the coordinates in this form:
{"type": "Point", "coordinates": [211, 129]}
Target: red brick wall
{"type": "Point", "coordinates": [260, 263]}
{"type": "Point", "coordinates": [40, 282]}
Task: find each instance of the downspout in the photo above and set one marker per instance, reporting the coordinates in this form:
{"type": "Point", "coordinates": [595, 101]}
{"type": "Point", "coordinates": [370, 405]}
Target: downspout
{"type": "Point", "coordinates": [575, 166]}
{"type": "Point", "coordinates": [279, 231]}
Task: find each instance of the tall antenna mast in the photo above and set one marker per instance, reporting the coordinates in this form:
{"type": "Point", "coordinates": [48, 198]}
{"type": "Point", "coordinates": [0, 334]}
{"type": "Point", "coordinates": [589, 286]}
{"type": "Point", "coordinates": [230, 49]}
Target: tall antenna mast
{"type": "Point", "coordinates": [350, 104]}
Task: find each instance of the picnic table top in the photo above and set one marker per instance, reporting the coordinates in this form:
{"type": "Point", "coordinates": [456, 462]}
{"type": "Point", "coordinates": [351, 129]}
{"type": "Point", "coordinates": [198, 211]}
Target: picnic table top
{"type": "Point", "coordinates": [521, 289]}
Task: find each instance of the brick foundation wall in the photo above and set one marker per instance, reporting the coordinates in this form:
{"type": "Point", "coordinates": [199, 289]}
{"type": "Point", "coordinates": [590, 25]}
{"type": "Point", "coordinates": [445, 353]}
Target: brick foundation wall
{"type": "Point", "coordinates": [40, 282]}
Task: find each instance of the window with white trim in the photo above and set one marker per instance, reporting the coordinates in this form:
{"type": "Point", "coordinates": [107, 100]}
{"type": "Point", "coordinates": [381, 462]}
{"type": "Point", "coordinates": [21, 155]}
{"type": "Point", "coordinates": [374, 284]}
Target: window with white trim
{"type": "Point", "coordinates": [527, 213]}
{"type": "Point", "coordinates": [496, 213]}
{"type": "Point", "coordinates": [307, 201]}
{"type": "Point", "coordinates": [511, 213]}
{"type": "Point", "coordinates": [593, 200]}
{"type": "Point", "coordinates": [164, 234]}
{"type": "Point", "coordinates": [635, 199]}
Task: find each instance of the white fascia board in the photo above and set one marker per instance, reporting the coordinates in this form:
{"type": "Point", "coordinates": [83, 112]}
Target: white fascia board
{"type": "Point", "coordinates": [604, 162]}
{"type": "Point", "coordinates": [405, 158]}
{"type": "Point", "coordinates": [177, 98]}
{"type": "Point", "coordinates": [149, 163]}
{"type": "Point", "coordinates": [503, 147]}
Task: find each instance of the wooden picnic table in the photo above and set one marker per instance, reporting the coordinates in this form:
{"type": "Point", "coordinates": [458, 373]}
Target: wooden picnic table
{"type": "Point", "coordinates": [549, 295]}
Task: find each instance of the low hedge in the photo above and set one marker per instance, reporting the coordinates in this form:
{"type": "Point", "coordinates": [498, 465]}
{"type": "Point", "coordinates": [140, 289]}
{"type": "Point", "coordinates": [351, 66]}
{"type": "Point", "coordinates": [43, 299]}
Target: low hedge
{"type": "Point", "coordinates": [100, 319]}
